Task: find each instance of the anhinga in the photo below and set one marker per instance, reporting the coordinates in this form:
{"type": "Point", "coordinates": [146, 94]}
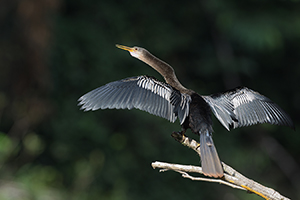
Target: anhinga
{"type": "Point", "coordinates": [235, 108]}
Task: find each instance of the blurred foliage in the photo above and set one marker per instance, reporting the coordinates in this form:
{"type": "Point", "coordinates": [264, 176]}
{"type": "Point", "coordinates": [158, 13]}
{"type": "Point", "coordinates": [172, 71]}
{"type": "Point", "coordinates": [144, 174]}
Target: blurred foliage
{"type": "Point", "coordinates": [52, 52]}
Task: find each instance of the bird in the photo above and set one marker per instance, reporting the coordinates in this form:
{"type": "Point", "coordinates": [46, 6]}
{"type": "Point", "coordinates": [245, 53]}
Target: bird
{"type": "Point", "coordinates": [234, 108]}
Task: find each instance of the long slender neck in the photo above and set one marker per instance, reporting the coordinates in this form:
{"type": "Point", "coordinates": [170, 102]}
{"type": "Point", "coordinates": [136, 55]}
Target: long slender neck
{"type": "Point", "coordinates": [164, 69]}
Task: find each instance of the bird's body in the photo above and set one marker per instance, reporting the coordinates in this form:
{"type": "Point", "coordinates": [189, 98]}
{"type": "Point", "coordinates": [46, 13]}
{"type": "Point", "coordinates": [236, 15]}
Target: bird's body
{"type": "Point", "coordinates": [200, 122]}
{"type": "Point", "coordinates": [235, 108]}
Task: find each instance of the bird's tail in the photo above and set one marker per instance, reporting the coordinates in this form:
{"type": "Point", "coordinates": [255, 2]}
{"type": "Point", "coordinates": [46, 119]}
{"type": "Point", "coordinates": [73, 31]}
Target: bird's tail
{"type": "Point", "coordinates": [210, 162]}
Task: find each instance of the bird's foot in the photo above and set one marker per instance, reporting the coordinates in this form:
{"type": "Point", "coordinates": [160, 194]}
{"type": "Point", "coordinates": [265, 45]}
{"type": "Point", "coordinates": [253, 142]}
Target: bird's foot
{"type": "Point", "coordinates": [198, 145]}
{"type": "Point", "coordinates": [178, 135]}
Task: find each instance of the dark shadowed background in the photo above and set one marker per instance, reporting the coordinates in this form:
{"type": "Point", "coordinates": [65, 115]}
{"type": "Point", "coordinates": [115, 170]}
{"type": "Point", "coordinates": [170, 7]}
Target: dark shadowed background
{"type": "Point", "coordinates": [54, 51]}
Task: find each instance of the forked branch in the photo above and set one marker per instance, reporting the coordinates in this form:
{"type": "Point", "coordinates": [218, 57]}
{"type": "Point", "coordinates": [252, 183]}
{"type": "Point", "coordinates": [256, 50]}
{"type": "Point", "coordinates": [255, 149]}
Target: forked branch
{"type": "Point", "coordinates": [231, 177]}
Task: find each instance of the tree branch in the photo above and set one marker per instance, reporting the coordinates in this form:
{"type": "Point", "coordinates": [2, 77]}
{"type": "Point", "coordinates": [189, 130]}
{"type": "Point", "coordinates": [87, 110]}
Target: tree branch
{"type": "Point", "coordinates": [231, 177]}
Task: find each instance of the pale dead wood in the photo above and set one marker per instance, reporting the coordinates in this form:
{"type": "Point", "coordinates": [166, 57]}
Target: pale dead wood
{"type": "Point", "coordinates": [183, 169]}
{"type": "Point", "coordinates": [231, 177]}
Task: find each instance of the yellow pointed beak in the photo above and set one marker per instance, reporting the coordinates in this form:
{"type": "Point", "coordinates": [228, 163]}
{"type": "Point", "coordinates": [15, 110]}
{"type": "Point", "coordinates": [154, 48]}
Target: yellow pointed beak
{"type": "Point", "coordinates": [125, 48]}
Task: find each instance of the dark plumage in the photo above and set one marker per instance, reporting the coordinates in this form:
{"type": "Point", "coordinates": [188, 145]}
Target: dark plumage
{"type": "Point", "coordinates": [234, 108]}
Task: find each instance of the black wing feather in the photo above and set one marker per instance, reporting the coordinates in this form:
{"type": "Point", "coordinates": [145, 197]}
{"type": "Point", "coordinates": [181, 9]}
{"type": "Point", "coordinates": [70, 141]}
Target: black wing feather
{"type": "Point", "coordinates": [141, 92]}
{"type": "Point", "coordinates": [223, 109]}
{"type": "Point", "coordinates": [244, 107]}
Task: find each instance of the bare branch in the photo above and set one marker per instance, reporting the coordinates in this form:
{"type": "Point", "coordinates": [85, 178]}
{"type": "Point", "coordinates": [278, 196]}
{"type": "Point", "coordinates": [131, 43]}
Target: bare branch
{"type": "Point", "coordinates": [183, 169]}
{"type": "Point", "coordinates": [231, 177]}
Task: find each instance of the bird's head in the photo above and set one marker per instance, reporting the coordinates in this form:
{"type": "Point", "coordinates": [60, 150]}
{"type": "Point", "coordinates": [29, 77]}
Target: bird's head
{"type": "Point", "coordinates": [136, 52]}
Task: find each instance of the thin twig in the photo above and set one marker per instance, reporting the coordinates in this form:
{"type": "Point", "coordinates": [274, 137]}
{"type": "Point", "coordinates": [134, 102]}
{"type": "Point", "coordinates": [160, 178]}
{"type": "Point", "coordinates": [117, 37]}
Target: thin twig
{"type": "Point", "coordinates": [186, 175]}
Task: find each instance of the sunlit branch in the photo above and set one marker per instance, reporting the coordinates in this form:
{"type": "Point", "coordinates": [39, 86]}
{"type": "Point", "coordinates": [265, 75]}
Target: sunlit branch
{"type": "Point", "coordinates": [231, 177]}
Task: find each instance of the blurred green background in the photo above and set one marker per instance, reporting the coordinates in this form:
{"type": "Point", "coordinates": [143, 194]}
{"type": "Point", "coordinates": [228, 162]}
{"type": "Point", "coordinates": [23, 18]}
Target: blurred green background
{"type": "Point", "coordinates": [54, 51]}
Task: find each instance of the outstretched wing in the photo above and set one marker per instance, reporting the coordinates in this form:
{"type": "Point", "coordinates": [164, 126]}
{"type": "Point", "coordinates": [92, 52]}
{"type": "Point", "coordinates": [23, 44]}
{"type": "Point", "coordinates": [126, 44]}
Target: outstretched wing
{"type": "Point", "coordinates": [141, 92]}
{"type": "Point", "coordinates": [244, 107]}
{"type": "Point", "coordinates": [223, 109]}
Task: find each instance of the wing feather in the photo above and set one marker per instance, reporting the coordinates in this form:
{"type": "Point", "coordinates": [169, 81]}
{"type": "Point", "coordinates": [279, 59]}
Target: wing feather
{"type": "Point", "coordinates": [244, 107]}
{"type": "Point", "coordinates": [141, 92]}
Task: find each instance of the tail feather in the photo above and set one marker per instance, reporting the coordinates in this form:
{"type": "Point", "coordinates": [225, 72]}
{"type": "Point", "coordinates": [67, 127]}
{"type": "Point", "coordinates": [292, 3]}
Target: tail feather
{"type": "Point", "coordinates": [210, 162]}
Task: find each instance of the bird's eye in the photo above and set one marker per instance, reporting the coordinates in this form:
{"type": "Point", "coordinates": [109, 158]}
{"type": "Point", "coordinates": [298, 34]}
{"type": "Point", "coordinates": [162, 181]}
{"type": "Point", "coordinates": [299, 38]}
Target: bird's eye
{"type": "Point", "coordinates": [135, 48]}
